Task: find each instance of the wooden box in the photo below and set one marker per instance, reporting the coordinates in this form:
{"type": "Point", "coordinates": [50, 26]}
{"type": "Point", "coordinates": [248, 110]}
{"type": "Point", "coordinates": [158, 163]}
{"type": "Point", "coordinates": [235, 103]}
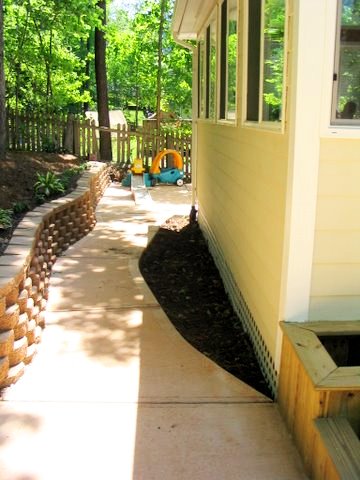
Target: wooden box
{"type": "Point", "coordinates": [312, 385]}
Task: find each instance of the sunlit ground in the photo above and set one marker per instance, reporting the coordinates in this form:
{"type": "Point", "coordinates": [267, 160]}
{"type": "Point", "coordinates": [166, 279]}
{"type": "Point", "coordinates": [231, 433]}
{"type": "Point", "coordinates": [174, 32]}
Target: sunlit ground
{"type": "Point", "coordinates": [115, 393]}
{"type": "Point", "coordinates": [81, 392]}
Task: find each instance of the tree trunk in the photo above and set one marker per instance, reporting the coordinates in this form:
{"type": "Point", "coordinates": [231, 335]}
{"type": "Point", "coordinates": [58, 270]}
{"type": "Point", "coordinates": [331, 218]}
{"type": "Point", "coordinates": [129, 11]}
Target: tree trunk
{"type": "Point", "coordinates": [101, 87]}
{"type": "Point", "coordinates": [160, 44]}
{"type": "Point", "coordinates": [86, 85]}
{"type": "Point", "coordinates": [2, 87]}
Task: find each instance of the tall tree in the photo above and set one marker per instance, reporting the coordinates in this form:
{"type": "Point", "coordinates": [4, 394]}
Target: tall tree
{"type": "Point", "coordinates": [160, 56]}
{"type": "Point", "coordinates": [45, 53]}
{"type": "Point", "coordinates": [48, 57]}
{"type": "Point", "coordinates": [2, 86]}
{"type": "Point", "coordinates": [101, 86]}
{"type": "Point", "coordinates": [133, 46]}
{"type": "Point", "coordinates": [86, 83]}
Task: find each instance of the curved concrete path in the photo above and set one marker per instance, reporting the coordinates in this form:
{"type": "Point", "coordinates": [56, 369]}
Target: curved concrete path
{"type": "Point", "coordinates": [115, 392]}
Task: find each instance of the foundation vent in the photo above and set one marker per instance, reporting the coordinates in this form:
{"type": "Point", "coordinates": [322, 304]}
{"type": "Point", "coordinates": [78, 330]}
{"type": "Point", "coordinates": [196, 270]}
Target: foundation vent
{"type": "Point", "coordinates": [242, 310]}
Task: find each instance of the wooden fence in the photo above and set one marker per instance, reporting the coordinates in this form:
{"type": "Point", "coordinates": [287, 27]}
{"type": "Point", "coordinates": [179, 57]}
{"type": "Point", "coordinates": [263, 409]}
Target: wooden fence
{"type": "Point", "coordinates": [35, 132]}
{"type": "Point", "coordinates": [39, 133]}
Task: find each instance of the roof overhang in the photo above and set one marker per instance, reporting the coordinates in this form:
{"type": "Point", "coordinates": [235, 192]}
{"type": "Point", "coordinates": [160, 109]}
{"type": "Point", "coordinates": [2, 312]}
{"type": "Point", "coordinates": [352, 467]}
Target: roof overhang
{"type": "Point", "coordinates": [189, 17]}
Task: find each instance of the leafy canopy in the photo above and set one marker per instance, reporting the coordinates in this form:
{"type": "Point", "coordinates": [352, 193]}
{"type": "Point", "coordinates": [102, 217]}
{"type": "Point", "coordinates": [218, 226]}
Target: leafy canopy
{"type": "Point", "coordinates": [49, 56]}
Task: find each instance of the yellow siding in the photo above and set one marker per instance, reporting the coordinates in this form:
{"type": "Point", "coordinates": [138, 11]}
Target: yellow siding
{"type": "Point", "coordinates": [335, 292]}
{"type": "Point", "coordinates": [242, 174]}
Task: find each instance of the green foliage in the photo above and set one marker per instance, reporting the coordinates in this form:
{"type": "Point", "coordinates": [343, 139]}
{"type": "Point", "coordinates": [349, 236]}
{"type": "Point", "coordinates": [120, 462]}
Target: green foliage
{"type": "Point", "coordinates": [232, 64]}
{"type": "Point", "coordinates": [67, 176]}
{"type": "Point", "coordinates": [48, 145]}
{"type": "Point", "coordinates": [349, 56]}
{"type": "Point", "coordinates": [179, 128]}
{"type": "Point", "coordinates": [46, 52]}
{"type": "Point", "coordinates": [49, 57]}
{"type": "Point", "coordinates": [20, 207]}
{"type": "Point", "coordinates": [132, 61]}
{"type": "Point", "coordinates": [5, 218]}
{"type": "Point", "coordinates": [47, 185]}
{"type": "Point", "coordinates": [274, 30]}
{"type": "Point", "coordinates": [351, 13]}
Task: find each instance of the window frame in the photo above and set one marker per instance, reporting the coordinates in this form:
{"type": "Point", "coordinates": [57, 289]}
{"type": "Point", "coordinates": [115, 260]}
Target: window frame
{"type": "Point", "coordinates": [205, 89]}
{"type": "Point", "coordinates": [207, 70]}
{"type": "Point", "coordinates": [273, 125]}
{"type": "Point", "coordinates": [327, 129]}
{"type": "Point", "coordinates": [201, 77]}
{"type": "Point", "coordinates": [223, 86]}
{"type": "Point", "coordinates": [334, 120]}
{"type": "Point", "coordinates": [211, 69]}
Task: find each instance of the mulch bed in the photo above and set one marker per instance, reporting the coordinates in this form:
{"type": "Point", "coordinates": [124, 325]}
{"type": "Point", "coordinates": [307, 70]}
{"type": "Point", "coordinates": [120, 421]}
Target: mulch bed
{"type": "Point", "coordinates": [17, 179]}
{"type": "Point", "coordinates": [177, 266]}
{"type": "Point", "coordinates": [181, 273]}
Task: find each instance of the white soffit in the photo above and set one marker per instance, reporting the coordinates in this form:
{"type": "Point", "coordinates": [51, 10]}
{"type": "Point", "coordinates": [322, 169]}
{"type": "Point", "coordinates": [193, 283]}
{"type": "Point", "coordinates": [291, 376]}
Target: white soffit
{"type": "Point", "coordinates": [189, 17]}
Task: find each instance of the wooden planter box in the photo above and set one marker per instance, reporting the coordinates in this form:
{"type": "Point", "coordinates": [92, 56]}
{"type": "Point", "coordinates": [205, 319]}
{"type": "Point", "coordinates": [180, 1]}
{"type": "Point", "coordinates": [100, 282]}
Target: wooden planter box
{"type": "Point", "coordinates": [336, 450]}
{"type": "Point", "coordinates": [316, 382]}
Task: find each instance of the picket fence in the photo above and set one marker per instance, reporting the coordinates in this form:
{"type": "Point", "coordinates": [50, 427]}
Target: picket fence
{"type": "Point", "coordinates": [40, 133]}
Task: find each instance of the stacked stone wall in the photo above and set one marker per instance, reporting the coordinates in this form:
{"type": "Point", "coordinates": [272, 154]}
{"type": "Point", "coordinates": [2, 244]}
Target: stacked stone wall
{"type": "Point", "coordinates": [25, 267]}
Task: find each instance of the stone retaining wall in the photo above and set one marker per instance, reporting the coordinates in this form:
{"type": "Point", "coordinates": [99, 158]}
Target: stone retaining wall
{"type": "Point", "coordinates": [26, 265]}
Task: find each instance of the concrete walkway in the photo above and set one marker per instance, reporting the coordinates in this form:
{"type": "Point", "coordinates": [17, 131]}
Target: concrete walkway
{"type": "Point", "coordinates": [115, 392]}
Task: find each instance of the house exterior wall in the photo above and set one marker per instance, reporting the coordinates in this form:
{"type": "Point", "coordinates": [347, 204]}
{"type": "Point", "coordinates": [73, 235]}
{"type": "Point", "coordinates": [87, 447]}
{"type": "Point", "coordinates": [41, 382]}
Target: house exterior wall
{"type": "Point", "coordinates": [335, 288]}
{"type": "Point", "coordinates": [242, 178]}
{"type": "Point", "coordinates": [241, 185]}
{"type": "Point", "coordinates": [281, 207]}
{"type": "Point", "coordinates": [257, 190]}
{"type": "Point", "coordinates": [242, 192]}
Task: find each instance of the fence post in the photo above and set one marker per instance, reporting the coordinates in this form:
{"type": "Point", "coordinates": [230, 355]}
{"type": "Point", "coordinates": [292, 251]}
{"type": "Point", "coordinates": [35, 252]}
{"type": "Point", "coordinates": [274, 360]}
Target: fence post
{"type": "Point", "coordinates": [76, 137]}
{"type": "Point", "coordinates": [95, 148]}
{"type": "Point", "coordinates": [123, 140]}
{"type": "Point", "coordinates": [127, 159]}
{"type": "Point", "coordinates": [69, 134]}
{"type": "Point", "coordinates": [118, 134]}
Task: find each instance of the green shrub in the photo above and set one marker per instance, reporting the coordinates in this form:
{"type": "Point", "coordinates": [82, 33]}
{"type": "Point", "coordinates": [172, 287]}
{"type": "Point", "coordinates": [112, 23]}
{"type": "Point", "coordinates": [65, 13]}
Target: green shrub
{"type": "Point", "coordinates": [69, 173]}
{"type": "Point", "coordinates": [49, 145]}
{"type": "Point", "coordinates": [47, 185]}
{"type": "Point", "coordinates": [5, 218]}
{"type": "Point", "coordinates": [183, 128]}
{"type": "Point", "coordinates": [20, 207]}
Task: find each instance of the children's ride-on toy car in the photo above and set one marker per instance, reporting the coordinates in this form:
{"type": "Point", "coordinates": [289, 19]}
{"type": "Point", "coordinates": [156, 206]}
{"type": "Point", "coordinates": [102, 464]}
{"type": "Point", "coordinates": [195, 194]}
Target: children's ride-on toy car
{"type": "Point", "coordinates": [168, 175]}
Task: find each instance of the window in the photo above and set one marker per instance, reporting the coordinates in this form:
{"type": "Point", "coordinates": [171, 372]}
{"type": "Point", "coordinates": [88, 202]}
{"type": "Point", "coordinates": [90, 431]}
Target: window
{"type": "Point", "coordinates": [207, 68]}
{"type": "Point", "coordinates": [201, 78]}
{"type": "Point", "coordinates": [346, 91]}
{"type": "Point", "coordinates": [207, 71]}
{"type": "Point", "coordinates": [228, 59]}
{"type": "Point", "coordinates": [212, 70]}
{"type": "Point", "coordinates": [253, 86]}
{"type": "Point", "coordinates": [266, 36]}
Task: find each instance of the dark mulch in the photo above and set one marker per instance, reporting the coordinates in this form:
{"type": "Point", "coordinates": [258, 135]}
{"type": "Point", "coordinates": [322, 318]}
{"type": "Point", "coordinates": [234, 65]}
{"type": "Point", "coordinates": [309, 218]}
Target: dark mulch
{"type": "Point", "coordinates": [17, 178]}
{"type": "Point", "coordinates": [181, 272]}
{"type": "Point", "coordinates": [177, 266]}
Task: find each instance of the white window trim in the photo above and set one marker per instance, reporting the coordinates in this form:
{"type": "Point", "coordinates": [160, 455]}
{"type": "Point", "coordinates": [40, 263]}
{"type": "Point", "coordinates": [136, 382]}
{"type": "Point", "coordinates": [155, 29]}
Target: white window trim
{"type": "Point", "coordinates": [327, 130]}
{"type": "Point", "coordinates": [201, 82]}
{"type": "Point", "coordinates": [213, 19]}
{"type": "Point", "coordinates": [234, 120]}
{"type": "Point", "coordinates": [227, 121]}
{"type": "Point", "coordinates": [263, 124]}
{"type": "Point", "coordinates": [214, 16]}
{"type": "Point", "coordinates": [336, 65]}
